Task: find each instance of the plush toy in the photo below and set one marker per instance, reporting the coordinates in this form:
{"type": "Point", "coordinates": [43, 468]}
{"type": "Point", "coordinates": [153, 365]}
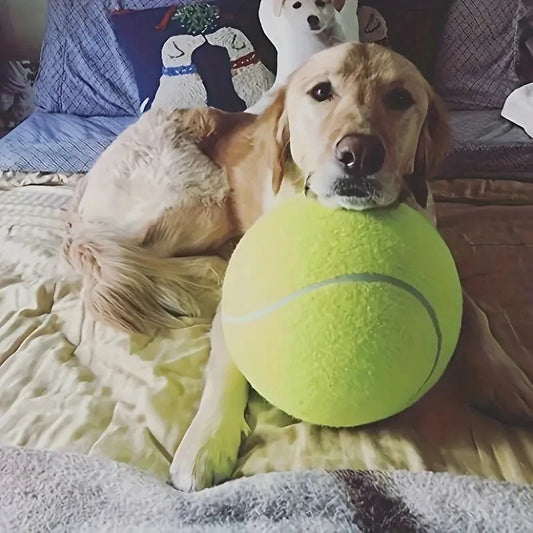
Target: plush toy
{"type": "Point", "coordinates": [16, 93]}
{"type": "Point", "coordinates": [372, 26]}
{"type": "Point", "coordinates": [300, 29]}
{"type": "Point", "coordinates": [341, 318]}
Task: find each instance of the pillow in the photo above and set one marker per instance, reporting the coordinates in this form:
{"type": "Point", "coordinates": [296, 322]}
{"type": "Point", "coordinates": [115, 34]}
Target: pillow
{"type": "Point", "coordinates": [202, 53]}
{"type": "Point", "coordinates": [50, 142]}
{"type": "Point", "coordinates": [414, 28]}
{"type": "Point", "coordinates": [83, 69]}
{"type": "Point", "coordinates": [477, 60]}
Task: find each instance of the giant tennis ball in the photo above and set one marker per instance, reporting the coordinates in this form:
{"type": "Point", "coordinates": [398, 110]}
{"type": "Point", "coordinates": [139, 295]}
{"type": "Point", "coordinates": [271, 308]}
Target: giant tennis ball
{"type": "Point", "coordinates": [341, 318]}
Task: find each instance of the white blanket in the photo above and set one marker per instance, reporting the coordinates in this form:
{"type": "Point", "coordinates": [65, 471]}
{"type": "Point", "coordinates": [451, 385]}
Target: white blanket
{"type": "Point", "coordinates": [70, 493]}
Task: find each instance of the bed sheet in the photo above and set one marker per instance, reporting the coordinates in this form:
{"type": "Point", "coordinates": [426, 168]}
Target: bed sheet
{"type": "Point", "coordinates": [55, 142]}
{"type": "Point", "coordinates": [488, 146]}
{"type": "Point", "coordinates": [485, 145]}
{"type": "Point", "coordinates": [69, 383]}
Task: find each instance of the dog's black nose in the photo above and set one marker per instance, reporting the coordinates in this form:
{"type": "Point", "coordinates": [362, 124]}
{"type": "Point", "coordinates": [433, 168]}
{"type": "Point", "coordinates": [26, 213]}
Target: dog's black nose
{"type": "Point", "coordinates": [313, 21]}
{"type": "Point", "coordinates": [360, 155]}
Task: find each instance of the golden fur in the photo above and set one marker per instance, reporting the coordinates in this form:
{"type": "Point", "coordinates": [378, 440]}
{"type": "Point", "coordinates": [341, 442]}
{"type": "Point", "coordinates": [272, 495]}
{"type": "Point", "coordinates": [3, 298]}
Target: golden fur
{"type": "Point", "coordinates": [180, 183]}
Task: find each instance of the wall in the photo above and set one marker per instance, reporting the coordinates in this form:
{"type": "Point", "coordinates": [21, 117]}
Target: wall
{"type": "Point", "coordinates": [22, 26]}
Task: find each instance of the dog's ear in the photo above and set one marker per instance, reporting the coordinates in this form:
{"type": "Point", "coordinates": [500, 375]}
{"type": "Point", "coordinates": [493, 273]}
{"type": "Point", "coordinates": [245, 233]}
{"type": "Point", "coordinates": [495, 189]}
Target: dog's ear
{"type": "Point", "coordinates": [278, 6]}
{"type": "Point", "coordinates": [338, 4]}
{"type": "Point", "coordinates": [433, 145]}
{"type": "Point", "coordinates": [272, 138]}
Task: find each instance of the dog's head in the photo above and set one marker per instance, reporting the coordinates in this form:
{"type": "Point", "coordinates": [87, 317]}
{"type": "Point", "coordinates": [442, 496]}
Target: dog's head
{"type": "Point", "coordinates": [177, 50]}
{"type": "Point", "coordinates": [233, 40]}
{"type": "Point", "coordinates": [314, 16]}
{"type": "Point", "coordinates": [362, 125]}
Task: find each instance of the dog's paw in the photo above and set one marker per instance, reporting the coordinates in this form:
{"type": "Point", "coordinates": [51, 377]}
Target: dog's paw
{"type": "Point", "coordinates": [205, 457]}
{"type": "Point", "coordinates": [504, 391]}
{"type": "Point", "coordinates": [493, 382]}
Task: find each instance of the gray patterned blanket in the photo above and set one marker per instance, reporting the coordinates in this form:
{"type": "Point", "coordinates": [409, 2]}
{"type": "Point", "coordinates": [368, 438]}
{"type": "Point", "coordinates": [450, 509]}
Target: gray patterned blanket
{"type": "Point", "coordinates": [52, 491]}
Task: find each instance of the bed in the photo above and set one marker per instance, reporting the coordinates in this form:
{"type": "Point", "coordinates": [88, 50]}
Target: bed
{"type": "Point", "coordinates": [69, 384]}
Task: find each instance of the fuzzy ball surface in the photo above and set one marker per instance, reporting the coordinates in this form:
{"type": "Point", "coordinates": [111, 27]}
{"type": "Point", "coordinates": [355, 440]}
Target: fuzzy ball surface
{"type": "Point", "coordinates": [341, 318]}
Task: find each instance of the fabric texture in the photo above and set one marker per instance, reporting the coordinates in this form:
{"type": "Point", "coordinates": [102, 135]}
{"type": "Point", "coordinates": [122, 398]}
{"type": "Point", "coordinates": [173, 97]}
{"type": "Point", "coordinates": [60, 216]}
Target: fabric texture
{"type": "Point", "coordinates": [197, 54]}
{"type": "Point", "coordinates": [483, 191]}
{"type": "Point", "coordinates": [83, 69]}
{"type": "Point", "coordinates": [132, 404]}
{"type": "Point", "coordinates": [67, 492]}
{"type": "Point", "coordinates": [486, 145]}
{"type": "Point", "coordinates": [331, 329]}
{"type": "Point", "coordinates": [10, 179]}
{"type": "Point", "coordinates": [58, 142]}
{"type": "Point", "coordinates": [478, 56]}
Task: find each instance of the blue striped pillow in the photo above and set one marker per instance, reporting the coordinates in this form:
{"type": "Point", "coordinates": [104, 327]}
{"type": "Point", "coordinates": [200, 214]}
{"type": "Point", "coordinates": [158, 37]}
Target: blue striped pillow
{"type": "Point", "coordinates": [83, 69]}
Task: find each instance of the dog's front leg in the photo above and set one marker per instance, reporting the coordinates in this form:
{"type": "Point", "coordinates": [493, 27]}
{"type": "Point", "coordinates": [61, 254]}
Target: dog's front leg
{"type": "Point", "coordinates": [208, 451]}
{"type": "Point", "coordinates": [492, 381]}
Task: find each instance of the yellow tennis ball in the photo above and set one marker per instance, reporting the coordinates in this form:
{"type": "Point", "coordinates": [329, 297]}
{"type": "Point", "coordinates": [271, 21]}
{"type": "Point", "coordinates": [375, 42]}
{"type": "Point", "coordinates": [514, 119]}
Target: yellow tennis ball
{"type": "Point", "coordinates": [341, 318]}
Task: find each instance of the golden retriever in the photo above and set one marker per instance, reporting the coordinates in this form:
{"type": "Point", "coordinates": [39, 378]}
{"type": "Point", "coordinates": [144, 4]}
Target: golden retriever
{"type": "Point", "coordinates": [357, 127]}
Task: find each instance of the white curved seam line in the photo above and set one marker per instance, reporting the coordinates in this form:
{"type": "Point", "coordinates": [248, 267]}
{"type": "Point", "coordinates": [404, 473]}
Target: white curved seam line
{"type": "Point", "coordinates": [365, 277]}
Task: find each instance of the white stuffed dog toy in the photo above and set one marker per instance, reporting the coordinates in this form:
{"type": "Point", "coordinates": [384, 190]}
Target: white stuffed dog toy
{"type": "Point", "coordinates": [300, 28]}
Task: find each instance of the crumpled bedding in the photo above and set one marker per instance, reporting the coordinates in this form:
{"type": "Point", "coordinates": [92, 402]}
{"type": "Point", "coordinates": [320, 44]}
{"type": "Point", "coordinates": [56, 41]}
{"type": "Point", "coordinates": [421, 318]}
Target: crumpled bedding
{"type": "Point", "coordinates": [17, 178]}
{"type": "Point", "coordinates": [66, 492]}
{"type": "Point", "coordinates": [68, 383]}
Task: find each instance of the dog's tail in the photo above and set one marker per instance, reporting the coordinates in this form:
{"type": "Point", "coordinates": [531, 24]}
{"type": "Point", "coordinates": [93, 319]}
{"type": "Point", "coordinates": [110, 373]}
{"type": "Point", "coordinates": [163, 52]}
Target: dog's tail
{"type": "Point", "coordinates": [125, 285]}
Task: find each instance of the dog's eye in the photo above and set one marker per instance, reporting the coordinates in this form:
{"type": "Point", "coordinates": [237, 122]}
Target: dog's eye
{"type": "Point", "coordinates": [320, 3]}
{"type": "Point", "coordinates": [322, 91]}
{"type": "Point", "coordinates": [297, 5]}
{"type": "Point", "coordinates": [399, 99]}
